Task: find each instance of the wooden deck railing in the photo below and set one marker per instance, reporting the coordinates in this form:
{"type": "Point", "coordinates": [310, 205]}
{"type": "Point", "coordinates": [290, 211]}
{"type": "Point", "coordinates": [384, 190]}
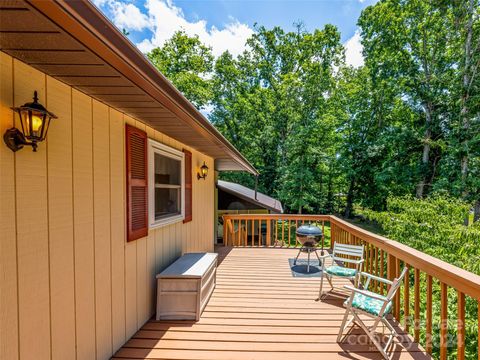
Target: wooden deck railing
{"type": "Point", "coordinates": [266, 229]}
{"type": "Point", "coordinates": [430, 281]}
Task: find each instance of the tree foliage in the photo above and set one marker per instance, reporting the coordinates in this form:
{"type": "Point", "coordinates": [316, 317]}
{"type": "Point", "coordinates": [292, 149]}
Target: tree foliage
{"type": "Point", "coordinates": [436, 226]}
{"type": "Point", "coordinates": [326, 136]}
{"type": "Point", "coordinates": [272, 102]}
{"type": "Point", "coordinates": [186, 62]}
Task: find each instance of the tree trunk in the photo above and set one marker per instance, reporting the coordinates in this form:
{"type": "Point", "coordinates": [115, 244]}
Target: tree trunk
{"type": "Point", "coordinates": [330, 204]}
{"type": "Point", "coordinates": [476, 211]}
{"type": "Point", "coordinates": [464, 98]}
{"type": "Point", "coordinates": [349, 205]}
{"type": "Point", "coordinates": [426, 151]}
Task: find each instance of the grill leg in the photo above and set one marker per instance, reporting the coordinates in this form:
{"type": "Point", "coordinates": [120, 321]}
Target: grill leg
{"type": "Point", "coordinates": [299, 252]}
{"type": "Point", "coordinates": [319, 261]}
{"type": "Point", "coordinates": [308, 261]}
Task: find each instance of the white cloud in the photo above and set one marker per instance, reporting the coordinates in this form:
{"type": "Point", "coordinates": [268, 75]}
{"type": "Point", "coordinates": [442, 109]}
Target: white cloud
{"type": "Point", "coordinates": [353, 50]}
{"type": "Point", "coordinates": [163, 19]}
{"type": "Point", "coordinates": [128, 16]}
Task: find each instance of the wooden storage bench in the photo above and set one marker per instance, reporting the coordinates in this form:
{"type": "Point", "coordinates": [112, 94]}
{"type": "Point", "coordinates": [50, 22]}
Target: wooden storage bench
{"type": "Point", "coordinates": [183, 288]}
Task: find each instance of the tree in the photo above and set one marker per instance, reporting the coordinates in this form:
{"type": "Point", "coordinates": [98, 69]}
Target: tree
{"type": "Point", "coordinates": [188, 64]}
{"type": "Point", "coordinates": [272, 103]}
{"type": "Point", "coordinates": [406, 43]}
{"type": "Point", "coordinates": [468, 85]}
{"type": "Point", "coordinates": [325, 136]}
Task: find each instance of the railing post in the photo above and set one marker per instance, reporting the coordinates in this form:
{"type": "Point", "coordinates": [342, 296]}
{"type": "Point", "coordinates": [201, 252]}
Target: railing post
{"type": "Point", "coordinates": [391, 267]}
{"type": "Point", "coordinates": [289, 233]}
{"type": "Point", "coordinates": [478, 327]}
{"type": "Point", "coordinates": [443, 321]}
{"type": "Point", "coordinates": [406, 299]}
{"type": "Point", "coordinates": [416, 330]}
{"type": "Point", "coordinates": [332, 234]}
{"type": "Point", "coordinates": [391, 274]}
{"type": "Point", "coordinates": [253, 232]}
{"type": "Point", "coordinates": [397, 295]}
{"type": "Point", "coordinates": [461, 326]}
{"type": "Point", "coordinates": [225, 231]}
{"type": "Point", "coordinates": [269, 235]}
{"type": "Point", "coordinates": [428, 335]}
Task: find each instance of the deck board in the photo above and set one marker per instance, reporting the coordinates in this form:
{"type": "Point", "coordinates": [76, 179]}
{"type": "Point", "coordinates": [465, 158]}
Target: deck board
{"type": "Point", "coordinates": [259, 311]}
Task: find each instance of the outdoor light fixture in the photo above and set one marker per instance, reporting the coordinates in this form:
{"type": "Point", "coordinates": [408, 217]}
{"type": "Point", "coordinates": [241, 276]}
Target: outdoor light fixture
{"type": "Point", "coordinates": [203, 172]}
{"type": "Point", "coordinates": [35, 120]}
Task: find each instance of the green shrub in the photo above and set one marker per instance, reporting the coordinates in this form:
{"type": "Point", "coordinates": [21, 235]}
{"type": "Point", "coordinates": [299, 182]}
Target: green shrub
{"type": "Point", "coordinates": [436, 226]}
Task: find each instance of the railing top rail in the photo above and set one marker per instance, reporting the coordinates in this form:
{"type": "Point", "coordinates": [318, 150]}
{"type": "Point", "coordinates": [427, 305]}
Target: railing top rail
{"type": "Point", "coordinates": [275, 217]}
{"type": "Point", "coordinates": [460, 279]}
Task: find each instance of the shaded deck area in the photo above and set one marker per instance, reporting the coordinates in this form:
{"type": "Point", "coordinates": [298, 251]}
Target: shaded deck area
{"type": "Point", "coordinates": [259, 311]}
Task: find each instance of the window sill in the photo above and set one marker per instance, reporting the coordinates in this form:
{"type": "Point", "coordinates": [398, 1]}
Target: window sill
{"type": "Point", "coordinates": [167, 221]}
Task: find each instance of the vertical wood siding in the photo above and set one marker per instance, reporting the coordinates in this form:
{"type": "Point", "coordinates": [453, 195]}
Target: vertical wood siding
{"type": "Point", "coordinates": [71, 286]}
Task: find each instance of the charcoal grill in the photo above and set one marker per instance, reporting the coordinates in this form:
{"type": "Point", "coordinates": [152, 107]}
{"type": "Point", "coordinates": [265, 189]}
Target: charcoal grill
{"type": "Point", "coordinates": [309, 236]}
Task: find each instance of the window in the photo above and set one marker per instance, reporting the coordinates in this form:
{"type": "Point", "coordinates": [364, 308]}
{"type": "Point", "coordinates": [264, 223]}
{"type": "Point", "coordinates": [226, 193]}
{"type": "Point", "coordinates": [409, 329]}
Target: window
{"type": "Point", "coordinates": [166, 184]}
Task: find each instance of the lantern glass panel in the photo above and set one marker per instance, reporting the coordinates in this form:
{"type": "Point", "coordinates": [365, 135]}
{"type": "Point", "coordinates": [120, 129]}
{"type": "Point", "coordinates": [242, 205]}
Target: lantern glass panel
{"type": "Point", "coordinates": [37, 124]}
{"type": "Point", "coordinates": [33, 124]}
{"type": "Point", "coordinates": [24, 122]}
{"type": "Point", "coordinates": [204, 170]}
{"type": "Point", "coordinates": [46, 124]}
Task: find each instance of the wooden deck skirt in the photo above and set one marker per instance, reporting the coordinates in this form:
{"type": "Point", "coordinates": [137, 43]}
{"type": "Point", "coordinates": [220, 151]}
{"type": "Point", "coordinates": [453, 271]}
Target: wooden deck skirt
{"type": "Point", "coordinates": [259, 311]}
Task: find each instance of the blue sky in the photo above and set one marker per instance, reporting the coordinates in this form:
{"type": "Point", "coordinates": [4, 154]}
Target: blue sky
{"type": "Point", "coordinates": [226, 24]}
{"type": "Point", "coordinates": [314, 13]}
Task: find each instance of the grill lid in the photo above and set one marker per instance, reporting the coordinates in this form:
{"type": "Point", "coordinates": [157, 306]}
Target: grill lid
{"type": "Point", "coordinates": [309, 230]}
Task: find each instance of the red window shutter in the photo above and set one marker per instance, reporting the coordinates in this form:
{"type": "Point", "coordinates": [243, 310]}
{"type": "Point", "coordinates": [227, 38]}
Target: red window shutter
{"type": "Point", "coordinates": [188, 186]}
{"type": "Point", "coordinates": [137, 190]}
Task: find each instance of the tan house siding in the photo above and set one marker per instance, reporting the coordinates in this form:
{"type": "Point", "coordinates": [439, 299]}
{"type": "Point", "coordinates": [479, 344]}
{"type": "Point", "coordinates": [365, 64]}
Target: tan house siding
{"type": "Point", "coordinates": [71, 286]}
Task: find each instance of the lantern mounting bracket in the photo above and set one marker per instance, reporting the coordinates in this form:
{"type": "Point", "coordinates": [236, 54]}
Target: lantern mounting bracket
{"type": "Point", "coordinates": [15, 140]}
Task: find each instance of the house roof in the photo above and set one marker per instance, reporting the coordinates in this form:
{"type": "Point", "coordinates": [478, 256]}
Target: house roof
{"type": "Point", "coordinates": [248, 194]}
{"type": "Point", "coordinates": [76, 44]}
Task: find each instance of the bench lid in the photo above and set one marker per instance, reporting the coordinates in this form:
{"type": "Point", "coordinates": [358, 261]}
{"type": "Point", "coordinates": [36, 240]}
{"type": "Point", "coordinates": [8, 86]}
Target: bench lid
{"type": "Point", "coordinates": [191, 265]}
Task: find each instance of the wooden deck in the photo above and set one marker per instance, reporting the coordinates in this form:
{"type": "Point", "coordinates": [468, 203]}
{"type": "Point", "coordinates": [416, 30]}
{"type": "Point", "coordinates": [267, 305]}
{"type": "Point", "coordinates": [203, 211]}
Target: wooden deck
{"type": "Point", "coordinates": [259, 311]}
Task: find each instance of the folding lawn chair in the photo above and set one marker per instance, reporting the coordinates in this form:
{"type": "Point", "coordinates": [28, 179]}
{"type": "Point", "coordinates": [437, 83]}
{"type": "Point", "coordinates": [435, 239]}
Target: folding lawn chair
{"type": "Point", "coordinates": [374, 306]}
{"type": "Point", "coordinates": [342, 254]}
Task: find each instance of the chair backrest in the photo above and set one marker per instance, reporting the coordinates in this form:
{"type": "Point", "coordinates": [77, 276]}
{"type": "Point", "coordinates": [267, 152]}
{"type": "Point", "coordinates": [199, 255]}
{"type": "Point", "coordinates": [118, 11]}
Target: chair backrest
{"type": "Point", "coordinates": [354, 252]}
{"type": "Point", "coordinates": [396, 284]}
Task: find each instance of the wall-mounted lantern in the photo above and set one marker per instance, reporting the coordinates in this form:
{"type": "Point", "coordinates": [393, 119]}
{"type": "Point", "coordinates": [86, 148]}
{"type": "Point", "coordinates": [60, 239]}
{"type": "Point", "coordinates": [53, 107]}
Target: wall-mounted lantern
{"type": "Point", "coordinates": [34, 120]}
{"type": "Point", "coordinates": [203, 172]}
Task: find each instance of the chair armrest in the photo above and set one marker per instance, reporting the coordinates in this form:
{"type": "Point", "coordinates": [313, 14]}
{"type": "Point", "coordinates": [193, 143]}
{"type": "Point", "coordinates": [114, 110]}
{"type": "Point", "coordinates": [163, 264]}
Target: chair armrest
{"type": "Point", "coordinates": [366, 293]}
{"type": "Point", "coordinates": [373, 277]}
{"type": "Point", "coordinates": [357, 262]}
{"type": "Point", "coordinates": [325, 256]}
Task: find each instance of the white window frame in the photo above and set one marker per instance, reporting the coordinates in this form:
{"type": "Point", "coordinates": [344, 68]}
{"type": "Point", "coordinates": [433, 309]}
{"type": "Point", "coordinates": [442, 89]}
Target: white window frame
{"type": "Point", "coordinates": [154, 147]}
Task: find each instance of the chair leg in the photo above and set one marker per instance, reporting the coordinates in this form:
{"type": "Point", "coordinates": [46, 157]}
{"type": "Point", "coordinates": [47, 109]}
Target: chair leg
{"type": "Point", "coordinates": [330, 281]}
{"type": "Point", "coordinates": [344, 322]}
{"type": "Point", "coordinates": [371, 335]}
{"type": "Point", "coordinates": [393, 333]}
{"type": "Point", "coordinates": [321, 288]}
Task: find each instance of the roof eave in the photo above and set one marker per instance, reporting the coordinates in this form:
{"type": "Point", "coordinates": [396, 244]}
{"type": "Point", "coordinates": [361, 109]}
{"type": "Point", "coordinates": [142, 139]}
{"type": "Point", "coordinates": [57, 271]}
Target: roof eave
{"type": "Point", "coordinates": [251, 200]}
{"type": "Point", "coordinates": [89, 26]}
